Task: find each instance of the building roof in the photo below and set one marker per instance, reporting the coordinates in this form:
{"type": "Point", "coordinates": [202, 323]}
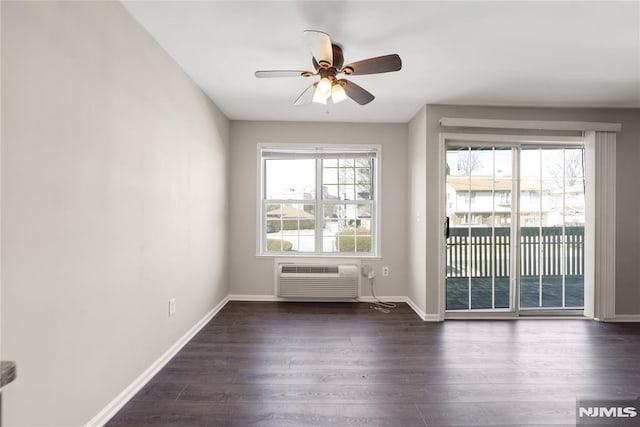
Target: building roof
{"type": "Point", "coordinates": [487, 183]}
{"type": "Point", "coordinates": [289, 212]}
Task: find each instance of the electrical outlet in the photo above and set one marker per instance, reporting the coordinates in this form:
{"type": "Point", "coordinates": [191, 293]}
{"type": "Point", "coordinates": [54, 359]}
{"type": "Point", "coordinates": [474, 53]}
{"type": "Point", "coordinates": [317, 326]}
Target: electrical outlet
{"type": "Point", "coordinates": [172, 307]}
{"type": "Point", "coordinates": [385, 271]}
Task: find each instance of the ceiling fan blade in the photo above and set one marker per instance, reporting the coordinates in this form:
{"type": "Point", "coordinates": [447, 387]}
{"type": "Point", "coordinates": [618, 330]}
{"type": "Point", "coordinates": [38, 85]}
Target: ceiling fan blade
{"type": "Point", "coordinates": [379, 64]}
{"type": "Point", "coordinates": [355, 92]}
{"type": "Point", "coordinates": [306, 97]}
{"type": "Point", "coordinates": [320, 45]}
{"type": "Point", "coordinates": [283, 73]}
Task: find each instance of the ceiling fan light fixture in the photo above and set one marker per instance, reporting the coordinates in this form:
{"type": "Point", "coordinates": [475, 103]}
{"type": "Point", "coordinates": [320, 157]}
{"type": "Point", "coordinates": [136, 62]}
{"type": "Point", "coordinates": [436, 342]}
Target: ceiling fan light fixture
{"type": "Point", "coordinates": [337, 93]}
{"type": "Point", "coordinates": [324, 86]}
{"type": "Point", "coordinates": [320, 97]}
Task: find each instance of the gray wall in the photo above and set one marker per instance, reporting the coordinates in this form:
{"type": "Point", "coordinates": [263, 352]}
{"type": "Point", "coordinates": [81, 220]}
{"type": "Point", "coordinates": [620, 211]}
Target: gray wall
{"type": "Point", "coordinates": [114, 193]}
{"type": "Point", "coordinates": [251, 275]}
{"type": "Point", "coordinates": [417, 245]}
{"type": "Point", "coordinates": [627, 178]}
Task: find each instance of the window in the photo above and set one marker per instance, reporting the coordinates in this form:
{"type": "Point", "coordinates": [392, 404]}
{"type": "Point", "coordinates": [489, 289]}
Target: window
{"type": "Point", "coordinates": [319, 201]}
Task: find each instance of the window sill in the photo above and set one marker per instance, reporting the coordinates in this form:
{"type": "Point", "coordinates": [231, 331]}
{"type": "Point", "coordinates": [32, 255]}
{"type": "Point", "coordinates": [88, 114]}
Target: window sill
{"type": "Point", "coordinates": [316, 256]}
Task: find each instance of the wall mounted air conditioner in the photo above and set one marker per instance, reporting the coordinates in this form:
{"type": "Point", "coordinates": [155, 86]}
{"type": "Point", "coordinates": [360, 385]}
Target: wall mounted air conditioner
{"type": "Point", "coordinates": [317, 281]}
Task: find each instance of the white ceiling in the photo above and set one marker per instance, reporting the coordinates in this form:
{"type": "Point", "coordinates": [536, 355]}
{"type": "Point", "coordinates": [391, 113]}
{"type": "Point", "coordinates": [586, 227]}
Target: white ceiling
{"type": "Point", "coordinates": [569, 54]}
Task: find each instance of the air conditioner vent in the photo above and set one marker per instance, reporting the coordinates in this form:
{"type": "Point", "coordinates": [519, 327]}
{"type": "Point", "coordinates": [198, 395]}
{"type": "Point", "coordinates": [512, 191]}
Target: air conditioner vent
{"type": "Point", "coordinates": [318, 281]}
{"type": "Point", "coordinates": [310, 269]}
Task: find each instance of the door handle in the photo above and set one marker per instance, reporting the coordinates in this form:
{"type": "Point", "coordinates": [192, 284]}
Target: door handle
{"type": "Point", "coordinates": [446, 228]}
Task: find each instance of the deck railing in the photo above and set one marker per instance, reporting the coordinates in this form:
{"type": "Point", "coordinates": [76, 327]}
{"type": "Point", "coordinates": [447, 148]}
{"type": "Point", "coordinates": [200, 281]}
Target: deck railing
{"type": "Point", "coordinates": [485, 252]}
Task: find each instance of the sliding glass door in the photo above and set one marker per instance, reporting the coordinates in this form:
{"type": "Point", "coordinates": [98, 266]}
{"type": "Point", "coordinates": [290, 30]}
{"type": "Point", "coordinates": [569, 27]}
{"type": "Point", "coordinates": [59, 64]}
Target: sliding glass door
{"type": "Point", "coordinates": [552, 211]}
{"type": "Point", "coordinates": [515, 228]}
{"type": "Point", "coordinates": [479, 189]}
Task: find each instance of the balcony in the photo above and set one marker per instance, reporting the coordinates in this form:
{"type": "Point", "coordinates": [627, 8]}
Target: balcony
{"type": "Point", "coordinates": [551, 267]}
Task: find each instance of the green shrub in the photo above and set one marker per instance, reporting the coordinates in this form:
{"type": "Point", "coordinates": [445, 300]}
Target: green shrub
{"type": "Point", "coordinates": [354, 240]}
{"type": "Point", "coordinates": [273, 226]}
{"type": "Point", "coordinates": [273, 245]}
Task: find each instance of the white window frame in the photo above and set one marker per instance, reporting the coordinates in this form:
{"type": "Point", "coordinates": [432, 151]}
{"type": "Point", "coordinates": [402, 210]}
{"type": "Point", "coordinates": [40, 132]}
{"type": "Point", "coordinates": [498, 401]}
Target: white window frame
{"type": "Point", "coordinates": [375, 201]}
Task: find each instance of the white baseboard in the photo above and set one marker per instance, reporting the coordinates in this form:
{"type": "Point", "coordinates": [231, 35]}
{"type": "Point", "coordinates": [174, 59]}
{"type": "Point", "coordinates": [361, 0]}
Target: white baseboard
{"type": "Point", "coordinates": [366, 298]}
{"type": "Point", "coordinates": [386, 298]}
{"type": "Point", "coordinates": [244, 297]}
{"type": "Point", "coordinates": [121, 399]}
{"type": "Point", "coordinates": [415, 308]}
{"type": "Point", "coordinates": [625, 318]}
{"type": "Point", "coordinates": [423, 315]}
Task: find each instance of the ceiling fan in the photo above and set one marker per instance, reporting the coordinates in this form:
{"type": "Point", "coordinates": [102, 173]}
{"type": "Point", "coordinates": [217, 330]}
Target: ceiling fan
{"type": "Point", "coordinates": [328, 63]}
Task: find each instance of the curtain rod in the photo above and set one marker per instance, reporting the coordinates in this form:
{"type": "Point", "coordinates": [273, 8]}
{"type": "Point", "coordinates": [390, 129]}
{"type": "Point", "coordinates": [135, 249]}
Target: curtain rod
{"type": "Point", "coordinates": [530, 124]}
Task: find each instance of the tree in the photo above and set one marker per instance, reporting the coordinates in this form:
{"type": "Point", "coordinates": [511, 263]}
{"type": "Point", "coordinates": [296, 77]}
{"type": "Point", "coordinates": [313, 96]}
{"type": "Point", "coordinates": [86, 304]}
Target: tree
{"type": "Point", "coordinates": [469, 162]}
{"type": "Point", "coordinates": [568, 168]}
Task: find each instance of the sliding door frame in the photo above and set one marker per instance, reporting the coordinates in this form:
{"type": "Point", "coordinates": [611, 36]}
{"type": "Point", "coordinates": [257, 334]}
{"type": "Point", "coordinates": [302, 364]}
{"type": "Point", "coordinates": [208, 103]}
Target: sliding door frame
{"type": "Point", "coordinates": [515, 142]}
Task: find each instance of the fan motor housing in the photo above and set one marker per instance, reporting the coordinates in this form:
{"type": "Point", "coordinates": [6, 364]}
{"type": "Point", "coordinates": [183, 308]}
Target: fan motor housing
{"type": "Point", "coordinates": [338, 59]}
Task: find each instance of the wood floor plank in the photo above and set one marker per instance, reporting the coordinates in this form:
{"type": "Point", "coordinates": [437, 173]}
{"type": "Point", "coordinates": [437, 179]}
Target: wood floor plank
{"type": "Point", "coordinates": [344, 364]}
{"type": "Point", "coordinates": [172, 414]}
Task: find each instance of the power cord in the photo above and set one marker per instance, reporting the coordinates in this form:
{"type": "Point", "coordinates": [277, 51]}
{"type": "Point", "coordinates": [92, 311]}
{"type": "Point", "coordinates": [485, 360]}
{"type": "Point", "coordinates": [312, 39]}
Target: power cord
{"type": "Point", "coordinates": [382, 306]}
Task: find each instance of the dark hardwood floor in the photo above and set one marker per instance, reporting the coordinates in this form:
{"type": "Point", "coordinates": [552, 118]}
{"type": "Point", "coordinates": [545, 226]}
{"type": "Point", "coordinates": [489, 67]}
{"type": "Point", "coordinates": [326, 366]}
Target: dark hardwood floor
{"type": "Point", "coordinates": [344, 364]}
